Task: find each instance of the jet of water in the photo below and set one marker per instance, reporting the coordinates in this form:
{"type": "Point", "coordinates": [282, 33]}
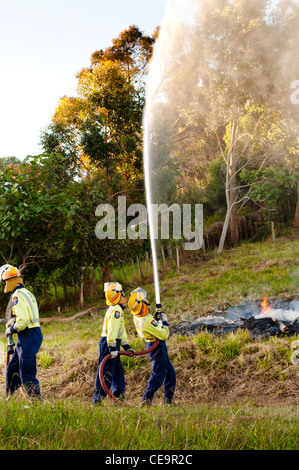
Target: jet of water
{"type": "Point", "coordinates": [154, 96]}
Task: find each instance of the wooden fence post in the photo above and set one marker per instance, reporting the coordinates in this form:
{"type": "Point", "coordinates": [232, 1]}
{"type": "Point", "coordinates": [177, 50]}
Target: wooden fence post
{"type": "Point", "coordinates": [163, 257]}
{"type": "Point", "coordinates": [139, 267]}
{"type": "Point", "coordinates": [177, 258]}
{"type": "Point", "coordinates": [207, 238]}
{"type": "Point", "coordinates": [124, 271]}
{"type": "Point", "coordinates": [273, 231]}
{"type": "Point", "coordinates": [147, 260]}
{"type": "Point", "coordinates": [133, 270]}
{"type": "Point", "coordinates": [169, 252]}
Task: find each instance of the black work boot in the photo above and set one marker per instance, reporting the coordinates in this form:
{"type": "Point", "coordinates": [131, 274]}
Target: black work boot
{"type": "Point", "coordinates": [167, 401]}
{"type": "Point", "coordinates": [146, 402]}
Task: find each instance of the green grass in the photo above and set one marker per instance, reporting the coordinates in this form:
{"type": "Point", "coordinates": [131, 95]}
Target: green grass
{"type": "Point", "coordinates": [247, 272]}
{"type": "Point", "coordinates": [73, 426]}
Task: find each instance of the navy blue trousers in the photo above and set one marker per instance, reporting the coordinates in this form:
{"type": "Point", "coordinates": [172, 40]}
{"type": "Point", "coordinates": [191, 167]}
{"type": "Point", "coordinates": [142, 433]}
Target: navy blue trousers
{"type": "Point", "coordinates": [21, 369]}
{"type": "Point", "coordinates": [163, 373]}
{"type": "Point", "coordinates": [113, 373]}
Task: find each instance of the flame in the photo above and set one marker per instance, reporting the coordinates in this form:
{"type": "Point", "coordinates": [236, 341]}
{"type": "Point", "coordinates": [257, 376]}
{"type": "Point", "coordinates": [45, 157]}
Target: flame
{"type": "Point", "coordinates": [265, 306]}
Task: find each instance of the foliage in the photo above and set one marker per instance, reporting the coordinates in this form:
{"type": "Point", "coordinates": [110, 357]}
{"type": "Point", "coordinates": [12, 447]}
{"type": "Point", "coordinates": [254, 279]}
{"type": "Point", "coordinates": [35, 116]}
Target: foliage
{"type": "Point", "coordinates": [93, 145]}
{"type": "Point", "coordinates": [228, 99]}
{"type": "Point", "coordinates": [102, 125]}
{"type": "Point", "coordinates": [34, 203]}
{"type": "Point", "coordinates": [276, 184]}
{"type": "Point", "coordinates": [48, 221]}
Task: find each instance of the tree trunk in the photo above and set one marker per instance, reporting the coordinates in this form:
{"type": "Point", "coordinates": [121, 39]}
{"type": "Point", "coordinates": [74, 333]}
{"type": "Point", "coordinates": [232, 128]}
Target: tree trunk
{"type": "Point", "coordinates": [231, 217]}
{"type": "Point", "coordinates": [224, 232]}
{"type": "Point", "coordinates": [65, 294]}
{"type": "Point", "coordinates": [233, 192]}
{"type": "Point", "coordinates": [296, 219]}
{"type": "Point", "coordinates": [82, 287]}
{"type": "Point", "coordinates": [234, 225]}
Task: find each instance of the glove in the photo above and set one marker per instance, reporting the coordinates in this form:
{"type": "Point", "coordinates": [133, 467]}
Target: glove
{"type": "Point", "coordinates": [11, 322]}
{"type": "Point", "coordinates": [164, 317]}
{"type": "Point", "coordinates": [114, 354]}
{"type": "Point", "coordinates": [131, 350]}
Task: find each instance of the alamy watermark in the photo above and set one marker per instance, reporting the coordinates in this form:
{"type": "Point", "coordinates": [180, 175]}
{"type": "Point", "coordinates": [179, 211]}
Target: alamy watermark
{"type": "Point", "coordinates": [295, 94]}
{"type": "Point", "coordinates": [163, 225]}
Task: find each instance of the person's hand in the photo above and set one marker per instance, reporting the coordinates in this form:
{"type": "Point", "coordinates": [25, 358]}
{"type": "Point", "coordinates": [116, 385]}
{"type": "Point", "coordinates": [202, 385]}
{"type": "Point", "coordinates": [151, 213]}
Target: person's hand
{"type": "Point", "coordinates": [114, 354]}
{"type": "Point", "coordinates": [8, 331]}
{"type": "Point", "coordinates": [11, 322]}
{"type": "Point", "coordinates": [131, 351]}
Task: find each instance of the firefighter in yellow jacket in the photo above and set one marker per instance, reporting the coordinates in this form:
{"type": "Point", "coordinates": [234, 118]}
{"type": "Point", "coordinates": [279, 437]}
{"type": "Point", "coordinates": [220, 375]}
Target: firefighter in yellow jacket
{"type": "Point", "coordinates": [21, 369]}
{"type": "Point", "coordinates": [150, 330]}
{"type": "Point", "coordinates": [113, 336]}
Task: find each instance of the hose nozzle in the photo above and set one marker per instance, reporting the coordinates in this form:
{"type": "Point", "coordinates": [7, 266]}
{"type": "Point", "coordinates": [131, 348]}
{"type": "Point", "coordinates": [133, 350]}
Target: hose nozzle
{"type": "Point", "coordinates": [158, 313]}
{"type": "Point", "coordinates": [10, 344]}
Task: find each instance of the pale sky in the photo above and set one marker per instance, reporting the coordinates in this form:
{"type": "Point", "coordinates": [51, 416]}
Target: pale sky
{"type": "Point", "coordinates": [43, 44]}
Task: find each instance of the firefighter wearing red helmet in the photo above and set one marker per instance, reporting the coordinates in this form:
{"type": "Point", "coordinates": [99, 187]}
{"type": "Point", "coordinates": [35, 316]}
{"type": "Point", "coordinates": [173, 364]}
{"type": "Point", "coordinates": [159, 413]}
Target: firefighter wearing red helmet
{"type": "Point", "coordinates": [21, 369]}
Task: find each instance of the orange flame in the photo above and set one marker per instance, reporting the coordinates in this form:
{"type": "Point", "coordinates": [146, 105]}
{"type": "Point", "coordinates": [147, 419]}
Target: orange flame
{"type": "Point", "coordinates": [265, 306]}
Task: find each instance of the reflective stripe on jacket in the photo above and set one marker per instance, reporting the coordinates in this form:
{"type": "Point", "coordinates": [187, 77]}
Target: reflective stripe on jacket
{"type": "Point", "coordinates": [25, 309]}
{"type": "Point", "coordinates": [149, 330]}
{"type": "Point", "coordinates": [114, 326]}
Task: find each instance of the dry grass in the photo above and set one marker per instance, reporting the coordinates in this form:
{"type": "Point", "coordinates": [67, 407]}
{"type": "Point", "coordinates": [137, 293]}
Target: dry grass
{"type": "Point", "coordinates": [209, 368]}
{"type": "Point", "coordinates": [206, 368]}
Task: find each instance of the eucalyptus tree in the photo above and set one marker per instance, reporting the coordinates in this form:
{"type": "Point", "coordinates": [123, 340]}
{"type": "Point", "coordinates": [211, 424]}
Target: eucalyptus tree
{"type": "Point", "coordinates": [226, 90]}
{"type": "Point", "coordinates": [102, 125]}
{"type": "Point", "coordinates": [246, 64]}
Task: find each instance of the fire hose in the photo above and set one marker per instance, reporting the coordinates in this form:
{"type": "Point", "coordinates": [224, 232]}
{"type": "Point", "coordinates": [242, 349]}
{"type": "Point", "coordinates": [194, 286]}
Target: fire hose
{"type": "Point", "coordinates": [10, 351]}
{"type": "Point", "coordinates": [123, 353]}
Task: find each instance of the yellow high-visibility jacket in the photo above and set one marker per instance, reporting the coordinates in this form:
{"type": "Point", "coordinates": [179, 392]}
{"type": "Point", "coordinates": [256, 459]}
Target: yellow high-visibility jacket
{"type": "Point", "coordinates": [149, 330]}
{"type": "Point", "coordinates": [25, 309]}
{"type": "Point", "coordinates": [114, 326]}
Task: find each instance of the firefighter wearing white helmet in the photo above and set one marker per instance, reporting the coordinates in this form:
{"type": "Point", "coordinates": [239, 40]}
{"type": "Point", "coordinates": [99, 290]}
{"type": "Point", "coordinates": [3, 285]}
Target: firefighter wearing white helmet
{"type": "Point", "coordinates": [150, 330]}
{"type": "Point", "coordinates": [21, 369]}
{"type": "Point", "coordinates": [113, 336]}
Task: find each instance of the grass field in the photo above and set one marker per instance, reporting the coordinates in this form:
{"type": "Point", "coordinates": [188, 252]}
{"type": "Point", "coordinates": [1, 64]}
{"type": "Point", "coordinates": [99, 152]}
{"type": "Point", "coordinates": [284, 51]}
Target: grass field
{"type": "Point", "coordinates": [71, 425]}
{"type": "Point", "coordinates": [233, 392]}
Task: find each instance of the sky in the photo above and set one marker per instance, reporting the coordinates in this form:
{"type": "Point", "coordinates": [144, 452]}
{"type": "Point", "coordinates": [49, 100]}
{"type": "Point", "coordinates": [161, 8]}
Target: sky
{"type": "Point", "coordinates": [43, 44]}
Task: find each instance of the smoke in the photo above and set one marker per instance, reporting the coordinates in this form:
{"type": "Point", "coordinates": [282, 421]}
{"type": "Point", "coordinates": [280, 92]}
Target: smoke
{"type": "Point", "coordinates": [218, 62]}
{"type": "Point", "coordinates": [215, 60]}
{"type": "Point", "coordinates": [280, 314]}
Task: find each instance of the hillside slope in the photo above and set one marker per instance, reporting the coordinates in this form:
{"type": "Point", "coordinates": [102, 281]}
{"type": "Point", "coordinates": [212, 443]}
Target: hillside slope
{"type": "Point", "coordinates": [210, 368]}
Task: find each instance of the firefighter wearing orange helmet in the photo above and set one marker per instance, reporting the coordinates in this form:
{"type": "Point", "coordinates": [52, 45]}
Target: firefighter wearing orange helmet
{"type": "Point", "coordinates": [113, 336]}
{"type": "Point", "coordinates": [21, 369]}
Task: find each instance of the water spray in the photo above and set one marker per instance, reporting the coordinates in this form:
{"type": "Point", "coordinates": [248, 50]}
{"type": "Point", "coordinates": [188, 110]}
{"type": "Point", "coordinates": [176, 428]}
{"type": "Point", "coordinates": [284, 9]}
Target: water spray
{"type": "Point", "coordinates": [158, 313]}
{"type": "Point", "coordinates": [154, 94]}
{"type": "Point", "coordinates": [149, 203]}
{"type": "Point", "coordinates": [148, 188]}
